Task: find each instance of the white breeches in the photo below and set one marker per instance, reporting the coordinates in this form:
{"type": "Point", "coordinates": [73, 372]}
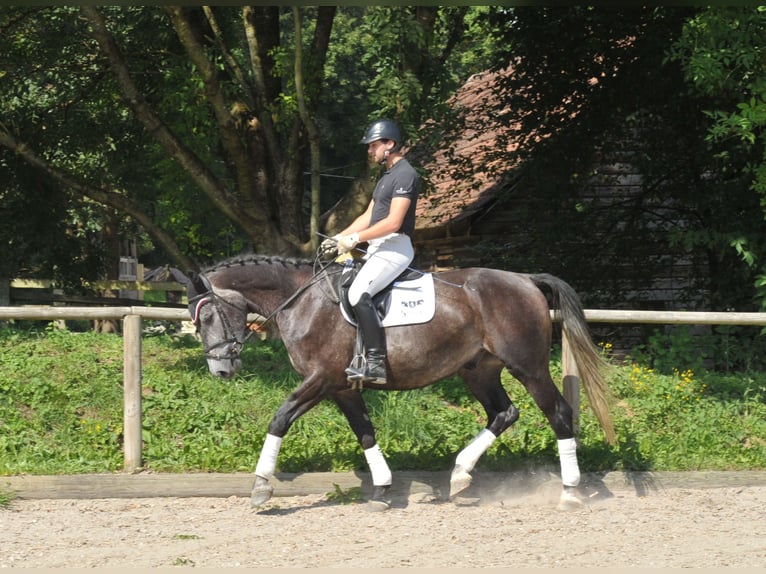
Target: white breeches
{"type": "Point", "coordinates": [386, 259]}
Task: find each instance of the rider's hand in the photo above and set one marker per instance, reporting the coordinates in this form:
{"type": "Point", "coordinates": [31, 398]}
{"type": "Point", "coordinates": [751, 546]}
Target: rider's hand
{"type": "Point", "coordinates": [329, 248]}
{"type": "Point", "coordinates": [346, 242]}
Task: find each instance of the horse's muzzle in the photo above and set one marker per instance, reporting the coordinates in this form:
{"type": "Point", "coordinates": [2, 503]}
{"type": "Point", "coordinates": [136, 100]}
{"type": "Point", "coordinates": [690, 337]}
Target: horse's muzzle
{"type": "Point", "coordinates": [224, 369]}
{"type": "Point", "coordinates": [223, 358]}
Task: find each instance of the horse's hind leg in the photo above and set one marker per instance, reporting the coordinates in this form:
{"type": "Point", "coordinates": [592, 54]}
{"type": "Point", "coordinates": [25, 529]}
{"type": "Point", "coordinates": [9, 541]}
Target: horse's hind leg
{"type": "Point", "coordinates": [483, 378]}
{"type": "Point", "coordinates": [559, 414]}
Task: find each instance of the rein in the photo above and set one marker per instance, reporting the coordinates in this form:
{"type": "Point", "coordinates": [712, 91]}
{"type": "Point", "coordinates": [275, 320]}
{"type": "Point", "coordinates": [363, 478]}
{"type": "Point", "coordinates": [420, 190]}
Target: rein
{"type": "Point", "coordinates": [314, 279]}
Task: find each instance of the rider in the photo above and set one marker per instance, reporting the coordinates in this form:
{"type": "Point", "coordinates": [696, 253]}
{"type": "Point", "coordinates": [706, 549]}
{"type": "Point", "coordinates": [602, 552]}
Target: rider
{"type": "Point", "coordinates": [387, 226]}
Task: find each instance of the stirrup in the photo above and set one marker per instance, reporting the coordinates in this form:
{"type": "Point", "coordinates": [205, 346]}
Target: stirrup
{"type": "Point", "coordinates": [352, 375]}
{"type": "Point", "coordinates": [356, 374]}
{"type": "Point", "coordinates": [355, 371]}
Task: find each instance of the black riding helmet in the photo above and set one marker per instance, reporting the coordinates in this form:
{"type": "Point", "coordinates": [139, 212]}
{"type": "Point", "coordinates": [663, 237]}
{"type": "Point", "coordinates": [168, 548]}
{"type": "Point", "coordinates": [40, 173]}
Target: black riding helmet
{"type": "Point", "coordinates": [382, 130]}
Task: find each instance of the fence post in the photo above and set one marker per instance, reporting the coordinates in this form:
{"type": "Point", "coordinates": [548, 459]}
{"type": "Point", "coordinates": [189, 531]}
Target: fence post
{"type": "Point", "coordinates": [131, 333]}
{"type": "Point", "coordinates": [571, 381]}
{"type": "Point", "coordinates": [5, 295]}
{"type": "Point", "coordinates": [5, 292]}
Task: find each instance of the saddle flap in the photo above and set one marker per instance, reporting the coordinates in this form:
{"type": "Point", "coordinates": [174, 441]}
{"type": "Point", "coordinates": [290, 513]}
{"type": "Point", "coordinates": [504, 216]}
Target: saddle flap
{"type": "Point", "coordinates": [408, 300]}
{"type": "Point", "coordinates": [412, 301]}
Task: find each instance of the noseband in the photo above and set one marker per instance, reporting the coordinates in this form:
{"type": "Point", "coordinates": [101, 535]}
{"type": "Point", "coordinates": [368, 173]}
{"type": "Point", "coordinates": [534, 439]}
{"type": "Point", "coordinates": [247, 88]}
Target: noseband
{"type": "Point", "coordinates": [231, 345]}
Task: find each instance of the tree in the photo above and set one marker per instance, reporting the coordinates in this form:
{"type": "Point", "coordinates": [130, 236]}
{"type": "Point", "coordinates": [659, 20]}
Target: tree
{"type": "Point", "coordinates": [311, 127]}
{"type": "Point", "coordinates": [185, 120]}
{"type": "Point", "coordinates": [721, 53]}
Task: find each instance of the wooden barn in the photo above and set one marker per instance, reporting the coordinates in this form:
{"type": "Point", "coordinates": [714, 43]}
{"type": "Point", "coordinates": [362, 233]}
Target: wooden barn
{"type": "Point", "coordinates": [598, 230]}
{"type": "Point", "coordinates": [477, 211]}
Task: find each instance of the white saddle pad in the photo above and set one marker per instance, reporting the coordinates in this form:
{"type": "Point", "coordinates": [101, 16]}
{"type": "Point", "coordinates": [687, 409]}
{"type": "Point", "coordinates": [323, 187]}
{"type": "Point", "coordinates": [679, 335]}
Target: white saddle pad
{"type": "Point", "coordinates": [412, 302]}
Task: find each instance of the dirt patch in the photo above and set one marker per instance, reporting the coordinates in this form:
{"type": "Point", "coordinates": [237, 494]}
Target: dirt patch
{"type": "Point", "coordinates": [622, 526]}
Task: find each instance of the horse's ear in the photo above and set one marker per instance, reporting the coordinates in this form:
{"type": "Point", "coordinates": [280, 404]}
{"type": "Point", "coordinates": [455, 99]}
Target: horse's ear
{"type": "Point", "coordinates": [195, 284]}
{"type": "Point", "coordinates": [183, 278]}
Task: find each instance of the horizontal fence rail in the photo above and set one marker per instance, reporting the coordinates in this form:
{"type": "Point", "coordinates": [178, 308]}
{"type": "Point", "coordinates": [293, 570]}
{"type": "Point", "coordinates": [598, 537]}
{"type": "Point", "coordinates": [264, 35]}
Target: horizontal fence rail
{"type": "Point", "coordinates": [132, 316]}
{"type": "Point", "coordinates": [181, 314]}
{"type": "Point", "coordinates": [675, 317]}
{"type": "Point", "coordinates": [95, 293]}
{"type": "Point", "coordinates": [87, 313]}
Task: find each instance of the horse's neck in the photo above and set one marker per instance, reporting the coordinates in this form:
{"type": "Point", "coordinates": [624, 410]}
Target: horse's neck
{"type": "Point", "coordinates": [280, 290]}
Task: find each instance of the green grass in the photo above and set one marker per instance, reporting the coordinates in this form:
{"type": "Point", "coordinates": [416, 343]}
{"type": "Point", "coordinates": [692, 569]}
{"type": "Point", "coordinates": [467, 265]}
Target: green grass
{"type": "Point", "coordinates": [61, 413]}
{"type": "Point", "coordinates": [5, 498]}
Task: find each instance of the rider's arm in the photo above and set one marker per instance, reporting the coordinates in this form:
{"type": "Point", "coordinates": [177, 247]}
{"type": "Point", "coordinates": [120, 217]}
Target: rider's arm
{"type": "Point", "coordinates": [389, 224]}
{"type": "Point", "coordinates": [361, 222]}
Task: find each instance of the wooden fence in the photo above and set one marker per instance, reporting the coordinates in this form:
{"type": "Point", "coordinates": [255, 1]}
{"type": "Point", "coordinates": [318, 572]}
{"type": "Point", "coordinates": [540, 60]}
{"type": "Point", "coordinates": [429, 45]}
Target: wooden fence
{"type": "Point", "coordinates": [132, 316]}
{"type": "Point", "coordinates": [106, 292]}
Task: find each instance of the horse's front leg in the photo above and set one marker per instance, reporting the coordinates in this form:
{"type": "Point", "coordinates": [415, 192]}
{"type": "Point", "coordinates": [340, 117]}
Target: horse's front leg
{"type": "Point", "coordinates": [299, 402]}
{"type": "Point", "coordinates": [352, 405]}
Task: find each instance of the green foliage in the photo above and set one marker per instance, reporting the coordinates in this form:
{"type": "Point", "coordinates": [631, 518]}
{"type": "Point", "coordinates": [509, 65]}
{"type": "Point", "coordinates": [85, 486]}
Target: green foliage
{"type": "Point", "coordinates": [72, 112]}
{"type": "Point", "coordinates": [349, 496]}
{"type": "Point", "coordinates": [6, 498]}
{"type": "Point", "coordinates": [50, 403]}
{"type": "Point", "coordinates": [695, 422]}
{"type": "Point", "coordinates": [723, 348]}
{"type": "Point", "coordinates": [395, 40]}
{"type": "Point", "coordinates": [666, 352]}
{"type": "Point", "coordinates": [721, 53]}
{"type": "Point", "coordinates": [61, 412]}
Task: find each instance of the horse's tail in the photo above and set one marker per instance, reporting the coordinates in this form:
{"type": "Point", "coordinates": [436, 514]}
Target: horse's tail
{"type": "Point", "coordinates": [591, 365]}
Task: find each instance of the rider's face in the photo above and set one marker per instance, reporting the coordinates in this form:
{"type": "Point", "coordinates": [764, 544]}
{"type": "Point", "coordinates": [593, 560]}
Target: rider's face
{"type": "Point", "coordinates": [376, 150]}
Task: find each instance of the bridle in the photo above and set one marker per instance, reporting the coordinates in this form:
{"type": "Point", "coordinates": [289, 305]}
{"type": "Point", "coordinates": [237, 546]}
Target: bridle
{"type": "Point", "coordinates": [231, 345]}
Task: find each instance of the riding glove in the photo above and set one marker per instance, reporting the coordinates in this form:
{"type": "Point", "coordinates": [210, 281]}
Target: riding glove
{"type": "Point", "coordinates": [328, 248]}
{"type": "Point", "coordinates": [346, 242]}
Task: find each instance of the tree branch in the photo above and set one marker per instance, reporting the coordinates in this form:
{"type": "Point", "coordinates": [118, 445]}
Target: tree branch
{"type": "Point", "coordinates": [215, 96]}
{"type": "Point", "coordinates": [197, 170]}
{"type": "Point", "coordinates": [262, 106]}
{"type": "Point", "coordinates": [311, 127]}
{"type": "Point", "coordinates": [105, 196]}
{"type": "Point", "coordinates": [231, 61]}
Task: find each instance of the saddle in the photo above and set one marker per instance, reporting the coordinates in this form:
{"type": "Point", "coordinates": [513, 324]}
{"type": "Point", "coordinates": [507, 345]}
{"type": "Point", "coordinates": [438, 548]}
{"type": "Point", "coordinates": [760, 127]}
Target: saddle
{"type": "Point", "coordinates": [408, 299]}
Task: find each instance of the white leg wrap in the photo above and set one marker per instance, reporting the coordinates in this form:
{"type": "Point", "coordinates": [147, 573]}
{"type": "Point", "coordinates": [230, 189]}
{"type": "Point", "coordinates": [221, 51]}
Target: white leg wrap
{"type": "Point", "coordinates": [381, 474]}
{"type": "Point", "coordinates": [570, 471]}
{"type": "Point", "coordinates": [469, 456]}
{"type": "Point", "coordinates": [267, 462]}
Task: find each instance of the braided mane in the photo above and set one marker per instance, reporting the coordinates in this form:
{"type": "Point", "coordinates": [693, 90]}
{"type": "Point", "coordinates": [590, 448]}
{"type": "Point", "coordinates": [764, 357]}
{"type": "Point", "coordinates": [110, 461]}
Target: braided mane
{"type": "Point", "coordinates": [254, 259]}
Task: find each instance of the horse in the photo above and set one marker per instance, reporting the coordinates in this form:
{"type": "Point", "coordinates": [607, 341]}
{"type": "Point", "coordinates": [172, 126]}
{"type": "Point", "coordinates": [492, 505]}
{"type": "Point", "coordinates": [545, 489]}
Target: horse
{"type": "Point", "coordinates": [484, 320]}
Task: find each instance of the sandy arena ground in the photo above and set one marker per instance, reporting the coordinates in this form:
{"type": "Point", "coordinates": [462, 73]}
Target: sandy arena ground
{"type": "Point", "coordinates": [624, 525]}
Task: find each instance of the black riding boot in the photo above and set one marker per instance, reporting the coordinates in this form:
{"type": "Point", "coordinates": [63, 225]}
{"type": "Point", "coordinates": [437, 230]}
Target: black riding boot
{"type": "Point", "coordinates": [374, 337]}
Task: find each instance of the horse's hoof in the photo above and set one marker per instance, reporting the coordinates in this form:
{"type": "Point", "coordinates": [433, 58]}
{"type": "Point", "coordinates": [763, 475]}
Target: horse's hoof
{"type": "Point", "coordinates": [379, 501]}
{"type": "Point", "coordinates": [261, 493]}
{"type": "Point", "coordinates": [569, 499]}
{"type": "Point", "coordinates": [459, 481]}
{"type": "Point", "coordinates": [377, 505]}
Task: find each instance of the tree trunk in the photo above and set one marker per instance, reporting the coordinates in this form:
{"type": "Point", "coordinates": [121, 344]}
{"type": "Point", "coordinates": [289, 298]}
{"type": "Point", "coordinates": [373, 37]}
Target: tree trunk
{"type": "Point", "coordinates": [111, 237]}
{"type": "Point", "coordinates": [308, 121]}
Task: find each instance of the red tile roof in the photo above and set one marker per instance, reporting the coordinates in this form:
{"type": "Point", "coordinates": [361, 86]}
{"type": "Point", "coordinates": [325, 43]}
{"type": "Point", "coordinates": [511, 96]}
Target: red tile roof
{"type": "Point", "coordinates": [462, 177]}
